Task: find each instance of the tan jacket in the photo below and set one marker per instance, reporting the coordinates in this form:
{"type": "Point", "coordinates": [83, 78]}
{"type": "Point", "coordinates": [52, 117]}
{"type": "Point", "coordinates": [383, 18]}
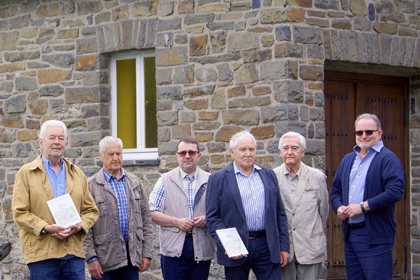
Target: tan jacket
{"type": "Point", "coordinates": [172, 238]}
{"type": "Point", "coordinates": [31, 192]}
{"type": "Point", "coordinates": [307, 213]}
{"type": "Point", "coordinates": [105, 240]}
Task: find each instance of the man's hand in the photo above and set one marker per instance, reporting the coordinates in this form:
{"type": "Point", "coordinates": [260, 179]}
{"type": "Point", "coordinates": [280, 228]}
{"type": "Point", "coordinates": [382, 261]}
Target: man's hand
{"type": "Point", "coordinates": [283, 258]}
{"type": "Point", "coordinates": [200, 221]}
{"type": "Point", "coordinates": [340, 213]}
{"type": "Point", "coordinates": [353, 210]}
{"type": "Point", "coordinates": [61, 232]}
{"type": "Point", "coordinates": [95, 269]}
{"type": "Point", "coordinates": [185, 224]}
{"type": "Point", "coordinates": [145, 264]}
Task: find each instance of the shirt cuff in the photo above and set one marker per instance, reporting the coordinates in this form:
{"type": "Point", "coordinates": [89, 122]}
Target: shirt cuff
{"type": "Point", "coordinates": [92, 259]}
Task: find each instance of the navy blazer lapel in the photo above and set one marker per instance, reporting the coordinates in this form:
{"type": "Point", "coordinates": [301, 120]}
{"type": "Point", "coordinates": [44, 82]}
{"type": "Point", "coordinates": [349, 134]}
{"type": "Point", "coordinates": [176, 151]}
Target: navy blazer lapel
{"type": "Point", "coordinates": [347, 179]}
{"type": "Point", "coordinates": [233, 185]}
{"type": "Point", "coordinates": [267, 194]}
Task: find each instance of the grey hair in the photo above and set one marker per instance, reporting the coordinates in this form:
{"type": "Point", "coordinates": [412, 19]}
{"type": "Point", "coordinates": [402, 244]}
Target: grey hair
{"type": "Point", "coordinates": [369, 116]}
{"type": "Point", "coordinates": [289, 134]}
{"type": "Point", "coordinates": [109, 140]}
{"type": "Point", "coordinates": [234, 140]}
{"type": "Point", "coordinates": [51, 123]}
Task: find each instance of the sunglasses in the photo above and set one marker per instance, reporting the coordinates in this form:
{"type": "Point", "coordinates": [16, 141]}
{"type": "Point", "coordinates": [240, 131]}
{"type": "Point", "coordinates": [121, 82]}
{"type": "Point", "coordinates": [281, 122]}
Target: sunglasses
{"type": "Point", "coordinates": [190, 153]}
{"type": "Point", "coordinates": [367, 132]}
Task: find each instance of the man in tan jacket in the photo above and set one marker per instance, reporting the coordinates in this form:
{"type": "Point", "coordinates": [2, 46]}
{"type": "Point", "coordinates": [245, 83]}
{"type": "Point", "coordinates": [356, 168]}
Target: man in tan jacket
{"type": "Point", "coordinates": [119, 245]}
{"type": "Point", "coordinates": [305, 197]}
{"type": "Point", "coordinates": [52, 251]}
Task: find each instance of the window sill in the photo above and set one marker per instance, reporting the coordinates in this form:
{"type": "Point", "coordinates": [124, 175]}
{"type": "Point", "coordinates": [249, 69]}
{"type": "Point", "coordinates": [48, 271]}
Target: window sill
{"type": "Point", "coordinates": [149, 158]}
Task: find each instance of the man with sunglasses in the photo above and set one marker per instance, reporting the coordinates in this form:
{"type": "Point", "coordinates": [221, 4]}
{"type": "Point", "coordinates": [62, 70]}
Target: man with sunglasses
{"type": "Point", "coordinates": [177, 205]}
{"type": "Point", "coordinates": [367, 184]}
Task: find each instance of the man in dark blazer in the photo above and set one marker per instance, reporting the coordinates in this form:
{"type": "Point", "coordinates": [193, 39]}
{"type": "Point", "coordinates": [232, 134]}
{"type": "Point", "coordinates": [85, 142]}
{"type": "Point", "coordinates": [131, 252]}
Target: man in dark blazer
{"type": "Point", "coordinates": [368, 183]}
{"type": "Point", "coordinates": [246, 196]}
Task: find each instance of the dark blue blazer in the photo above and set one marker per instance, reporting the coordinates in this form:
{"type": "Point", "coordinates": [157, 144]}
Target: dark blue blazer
{"type": "Point", "coordinates": [224, 209]}
{"type": "Point", "coordinates": [384, 187]}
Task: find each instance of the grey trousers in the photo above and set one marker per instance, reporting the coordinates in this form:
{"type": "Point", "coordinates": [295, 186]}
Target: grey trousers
{"type": "Point", "coordinates": [297, 271]}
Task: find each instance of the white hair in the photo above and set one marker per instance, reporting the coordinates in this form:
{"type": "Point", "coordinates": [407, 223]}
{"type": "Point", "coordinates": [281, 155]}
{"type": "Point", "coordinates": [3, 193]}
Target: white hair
{"type": "Point", "coordinates": [369, 116]}
{"type": "Point", "coordinates": [109, 140]}
{"type": "Point", "coordinates": [237, 137]}
{"type": "Point", "coordinates": [293, 134]}
{"type": "Point", "coordinates": [51, 123]}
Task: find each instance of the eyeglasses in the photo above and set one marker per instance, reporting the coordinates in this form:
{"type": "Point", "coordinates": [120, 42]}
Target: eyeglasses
{"type": "Point", "coordinates": [293, 148]}
{"type": "Point", "coordinates": [368, 132]}
{"type": "Point", "coordinates": [190, 153]}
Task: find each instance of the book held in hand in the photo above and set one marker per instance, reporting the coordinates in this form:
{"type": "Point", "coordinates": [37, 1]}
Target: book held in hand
{"type": "Point", "coordinates": [64, 211]}
{"type": "Point", "coordinates": [232, 242]}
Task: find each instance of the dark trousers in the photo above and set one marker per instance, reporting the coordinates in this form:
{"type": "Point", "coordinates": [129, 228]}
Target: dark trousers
{"type": "Point", "coordinates": [365, 261]}
{"type": "Point", "coordinates": [65, 268]}
{"type": "Point", "coordinates": [258, 260]}
{"type": "Point", "coordinates": [184, 267]}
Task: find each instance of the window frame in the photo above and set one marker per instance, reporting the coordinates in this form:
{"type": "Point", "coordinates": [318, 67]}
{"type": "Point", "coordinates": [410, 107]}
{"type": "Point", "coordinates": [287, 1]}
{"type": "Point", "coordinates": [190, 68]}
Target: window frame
{"type": "Point", "coordinates": [133, 153]}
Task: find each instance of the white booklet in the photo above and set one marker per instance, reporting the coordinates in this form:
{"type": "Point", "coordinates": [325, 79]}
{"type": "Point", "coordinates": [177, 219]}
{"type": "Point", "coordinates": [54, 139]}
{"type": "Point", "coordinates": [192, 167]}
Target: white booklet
{"type": "Point", "coordinates": [64, 211]}
{"type": "Point", "coordinates": [232, 242]}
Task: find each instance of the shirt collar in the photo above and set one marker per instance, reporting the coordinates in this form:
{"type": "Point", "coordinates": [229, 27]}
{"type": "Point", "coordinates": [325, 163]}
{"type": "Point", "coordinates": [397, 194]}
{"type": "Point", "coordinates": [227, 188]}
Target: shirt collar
{"type": "Point", "coordinates": [47, 163]}
{"type": "Point", "coordinates": [238, 170]}
{"type": "Point", "coordinates": [377, 147]}
{"type": "Point", "coordinates": [286, 171]}
{"type": "Point", "coordinates": [109, 177]}
{"type": "Point", "coordinates": [183, 174]}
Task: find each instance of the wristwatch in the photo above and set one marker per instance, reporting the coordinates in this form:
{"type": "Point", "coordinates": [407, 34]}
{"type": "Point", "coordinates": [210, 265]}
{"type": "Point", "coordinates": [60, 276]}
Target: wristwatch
{"type": "Point", "coordinates": [362, 206]}
{"type": "Point", "coordinates": [44, 231]}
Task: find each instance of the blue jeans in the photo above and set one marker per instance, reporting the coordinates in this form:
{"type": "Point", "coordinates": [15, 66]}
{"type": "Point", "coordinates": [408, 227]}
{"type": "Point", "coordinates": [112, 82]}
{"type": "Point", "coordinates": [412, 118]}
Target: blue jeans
{"type": "Point", "coordinates": [65, 268]}
{"type": "Point", "coordinates": [365, 261]}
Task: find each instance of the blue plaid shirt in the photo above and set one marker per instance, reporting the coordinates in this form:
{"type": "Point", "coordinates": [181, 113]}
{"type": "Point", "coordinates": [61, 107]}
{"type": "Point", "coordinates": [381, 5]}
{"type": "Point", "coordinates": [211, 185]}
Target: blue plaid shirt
{"type": "Point", "coordinates": [118, 187]}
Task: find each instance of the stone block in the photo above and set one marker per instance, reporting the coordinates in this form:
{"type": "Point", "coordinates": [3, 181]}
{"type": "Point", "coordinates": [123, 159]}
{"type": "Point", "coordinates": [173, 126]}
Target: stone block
{"type": "Point", "coordinates": [48, 76]}
{"type": "Point", "coordinates": [236, 91]}
{"type": "Point", "coordinates": [341, 23]}
{"type": "Point", "coordinates": [187, 117]}
{"type": "Point", "coordinates": [358, 7]}
{"type": "Point", "coordinates": [210, 59]}
{"type": "Point", "coordinates": [307, 35]}
{"type": "Point", "coordinates": [167, 118]}
{"type": "Point", "coordinates": [240, 117]}
{"type": "Point", "coordinates": [206, 125]}
{"type": "Point", "coordinates": [26, 135]}
{"type": "Point", "coordinates": [263, 132]}
{"type": "Point", "coordinates": [169, 24]}
{"type": "Point", "coordinates": [218, 100]}
{"type": "Point", "coordinates": [198, 45]}
{"type": "Point", "coordinates": [51, 91]}
{"type": "Point", "coordinates": [45, 35]}
{"type": "Point", "coordinates": [311, 72]}
{"type": "Point", "coordinates": [208, 116]}
{"type": "Point", "coordinates": [172, 57]}
{"type": "Point", "coordinates": [86, 45]}
{"type": "Point", "coordinates": [213, 8]}
{"type": "Point", "coordinates": [185, 7]}
{"type": "Point", "coordinates": [164, 134]}
{"type": "Point", "coordinates": [60, 60]}
{"type": "Point", "coordinates": [11, 121]}
{"type": "Point", "coordinates": [163, 76]}
{"type": "Point", "coordinates": [249, 102]}
{"type": "Point", "coordinates": [273, 16]}
{"type": "Point", "coordinates": [386, 27]}
{"type": "Point", "coordinates": [197, 104]}
{"type": "Point", "coordinates": [261, 90]}
{"type": "Point", "coordinates": [255, 55]}
{"type": "Point", "coordinates": [287, 49]}
{"type": "Point", "coordinates": [21, 55]}
{"type": "Point", "coordinates": [9, 40]}
{"type": "Point", "coordinates": [169, 92]}
{"type": "Point", "coordinates": [15, 104]}
{"type": "Point", "coordinates": [283, 33]}
{"type": "Point", "coordinates": [218, 41]}
{"type": "Point", "coordinates": [48, 10]}
{"type": "Point", "coordinates": [296, 15]}
{"type": "Point", "coordinates": [199, 19]}
{"type": "Point", "coordinates": [150, 8]}
{"type": "Point", "coordinates": [6, 87]}
{"type": "Point", "coordinates": [181, 131]}
{"type": "Point", "coordinates": [198, 91]}
{"type": "Point", "coordinates": [85, 139]}
{"type": "Point", "coordinates": [206, 74]}
{"type": "Point", "coordinates": [81, 95]}
{"type": "Point", "coordinates": [273, 70]}
{"type": "Point", "coordinates": [225, 73]}
{"type": "Point", "coordinates": [326, 4]}
{"type": "Point", "coordinates": [224, 134]}
{"type": "Point", "coordinates": [290, 89]}
{"type": "Point", "coordinates": [103, 17]}
{"type": "Point", "coordinates": [89, 7]}
{"type": "Point", "coordinates": [242, 41]}
{"type": "Point", "coordinates": [25, 83]}
{"type": "Point", "coordinates": [86, 62]}
{"type": "Point", "coordinates": [246, 73]}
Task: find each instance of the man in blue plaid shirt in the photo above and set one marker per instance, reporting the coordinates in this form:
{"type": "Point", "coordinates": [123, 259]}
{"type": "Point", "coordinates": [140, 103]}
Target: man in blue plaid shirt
{"type": "Point", "coordinates": [119, 245]}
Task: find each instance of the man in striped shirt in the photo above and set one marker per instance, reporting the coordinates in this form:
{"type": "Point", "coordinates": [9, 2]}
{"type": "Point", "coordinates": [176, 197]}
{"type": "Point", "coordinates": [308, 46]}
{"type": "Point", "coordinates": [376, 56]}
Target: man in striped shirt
{"type": "Point", "coordinates": [246, 196]}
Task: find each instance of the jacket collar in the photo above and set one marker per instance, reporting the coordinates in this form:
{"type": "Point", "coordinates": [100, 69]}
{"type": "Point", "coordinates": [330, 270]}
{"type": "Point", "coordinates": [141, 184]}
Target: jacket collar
{"type": "Point", "coordinates": [38, 164]}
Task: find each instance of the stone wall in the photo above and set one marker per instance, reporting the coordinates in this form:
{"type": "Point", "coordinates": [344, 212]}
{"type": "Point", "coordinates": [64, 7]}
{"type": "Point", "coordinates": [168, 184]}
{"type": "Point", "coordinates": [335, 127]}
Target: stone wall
{"type": "Point", "coordinates": [222, 66]}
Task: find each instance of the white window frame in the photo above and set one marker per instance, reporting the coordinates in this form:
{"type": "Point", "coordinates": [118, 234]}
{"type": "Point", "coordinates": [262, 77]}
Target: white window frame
{"type": "Point", "coordinates": [136, 153]}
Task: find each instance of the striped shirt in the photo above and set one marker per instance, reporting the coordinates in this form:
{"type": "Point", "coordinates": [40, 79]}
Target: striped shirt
{"type": "Point", "coordinates": [158, 194]}
{"type": "Point", "coordinates": [118, 187]}
{"type": "Point", "coordinates": [251, 189]}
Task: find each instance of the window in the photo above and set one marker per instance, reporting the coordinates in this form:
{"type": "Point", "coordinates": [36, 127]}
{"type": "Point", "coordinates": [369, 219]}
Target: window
{"type": "Point", "coordinates": [134, 104]}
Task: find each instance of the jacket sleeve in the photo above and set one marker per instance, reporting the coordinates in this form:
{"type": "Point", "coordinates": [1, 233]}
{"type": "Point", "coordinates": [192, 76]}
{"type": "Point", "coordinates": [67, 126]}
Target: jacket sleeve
{"type": "Point", "coordinates": [281, 217]}
{"type": "Point", "coordinates": [213, 213]}
{"type": "Point", "coordinates": [337, 188]}
{"type": "Point", "coordinates": [89, 213]}
{"type": "Point", "coordinates": [323, 199]}
{"type": "Point", "coordinates": [147, 225]}
{"type": "Point", "coordinates": [21, 208]}
{"type": "Point", "coordinates": [392, 178]}
{"type": "Point", "coordinates": [88, 244]}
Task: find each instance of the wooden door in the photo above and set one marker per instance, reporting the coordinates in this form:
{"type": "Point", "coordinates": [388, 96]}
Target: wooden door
{"type": "Point", "coordinates": [346, 96]}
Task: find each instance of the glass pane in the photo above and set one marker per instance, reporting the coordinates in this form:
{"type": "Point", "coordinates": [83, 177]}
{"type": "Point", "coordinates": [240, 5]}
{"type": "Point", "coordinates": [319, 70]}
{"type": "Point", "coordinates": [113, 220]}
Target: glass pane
{"type": "Point", "coordinates": [126, 102]}
{"type": "Point", "coordinates": [150, 102]}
